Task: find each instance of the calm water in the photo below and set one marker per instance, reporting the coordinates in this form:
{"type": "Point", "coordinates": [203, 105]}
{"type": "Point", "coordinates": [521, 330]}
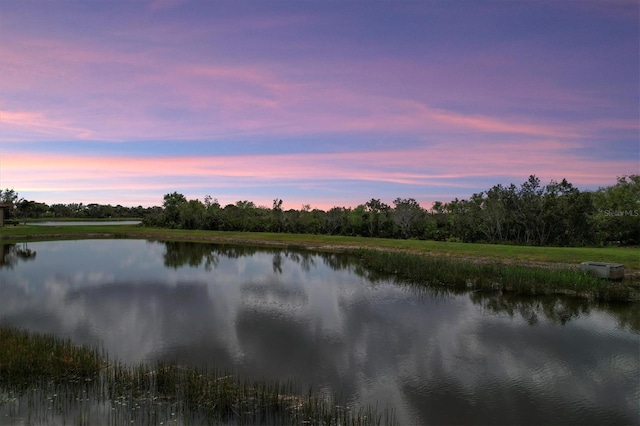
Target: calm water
{"type": "Point", "coordinates": [315, 318]}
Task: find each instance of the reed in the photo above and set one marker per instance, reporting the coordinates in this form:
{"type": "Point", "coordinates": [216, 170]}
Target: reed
{"type": "Point", "coordinates": [416, 269]}
{"type": "Point", "coordinates": [26, 357]}
{"type": "Point", "coordinates": [48, 380]}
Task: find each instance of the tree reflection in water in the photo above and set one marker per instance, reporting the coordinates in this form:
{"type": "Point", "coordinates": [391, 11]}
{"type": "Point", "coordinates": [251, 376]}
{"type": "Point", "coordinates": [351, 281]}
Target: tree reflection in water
{"type": "Point", "coordinates": [182, 253]}
{"type": "Point", "coordinates": [554, 308]}
{"type": "Point", "coordinates": [12, 253]}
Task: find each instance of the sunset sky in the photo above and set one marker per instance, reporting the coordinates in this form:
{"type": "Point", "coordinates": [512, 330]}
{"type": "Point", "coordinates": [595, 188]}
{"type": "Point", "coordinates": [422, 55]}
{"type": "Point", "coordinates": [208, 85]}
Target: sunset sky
{"type": "Point", "coordinates": [327, 103]}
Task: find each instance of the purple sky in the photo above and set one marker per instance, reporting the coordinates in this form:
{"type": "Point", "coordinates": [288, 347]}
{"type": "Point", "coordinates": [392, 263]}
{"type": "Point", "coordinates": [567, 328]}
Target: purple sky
{"type": "Point", "coordinates": [324, 103]}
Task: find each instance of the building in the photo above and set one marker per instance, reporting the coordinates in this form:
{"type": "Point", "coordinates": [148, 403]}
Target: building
{"type": "Point", "coordinates": [4, 212]}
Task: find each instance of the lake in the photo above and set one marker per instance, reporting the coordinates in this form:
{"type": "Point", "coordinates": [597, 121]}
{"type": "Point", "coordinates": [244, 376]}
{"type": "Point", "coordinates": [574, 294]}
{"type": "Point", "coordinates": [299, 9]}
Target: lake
{"type": "Point", "coordinates": [435, 357]}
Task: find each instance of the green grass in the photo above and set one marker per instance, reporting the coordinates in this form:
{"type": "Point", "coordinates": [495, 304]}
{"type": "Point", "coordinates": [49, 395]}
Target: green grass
{"type": "Point", "coordinates": [524, 269]}
{"type": "Point", "coordinates": [453, 273]}
{"type": "Point", "coordinates": [53, 377]}
{"type": "Point", "coordinates": [73, 219]}
{"type": "Point", "coordinates": [27, 358]}
{"type": "Point", "coordinates": [503, 253]}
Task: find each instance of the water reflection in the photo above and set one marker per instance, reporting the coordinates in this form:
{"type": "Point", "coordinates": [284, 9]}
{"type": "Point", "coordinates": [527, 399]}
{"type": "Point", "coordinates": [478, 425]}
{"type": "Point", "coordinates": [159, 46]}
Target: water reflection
{"type": "Point", "coordinates": [181, 253]}
{"type": "Point", "coordinates": [318, 318]}
{"type": "Point", "coordinates": [12, 253]}
{"type": "Point", "coordinates": [557, 309]}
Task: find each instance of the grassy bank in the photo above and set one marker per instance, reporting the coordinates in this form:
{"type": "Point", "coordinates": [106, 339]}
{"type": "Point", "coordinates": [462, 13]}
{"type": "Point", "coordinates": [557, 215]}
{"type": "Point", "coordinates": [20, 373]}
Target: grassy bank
{"type": "Point", "coordinates": [490, 252]}
{"type": "Point", "coordinates": [520, 269]}
{"type": "Point", "coordinates": [518, 279]}
{"type": "Point", "coordinates": [58, 381]}
{"type": "Point", "coordinates": [72, 219]}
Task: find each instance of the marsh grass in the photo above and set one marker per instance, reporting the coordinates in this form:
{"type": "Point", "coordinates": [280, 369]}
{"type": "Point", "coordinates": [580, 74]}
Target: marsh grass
{"type": "Point", "coordinates": [454, 273]}
{"type": "Point", "coordinates": [47, 380]}
{"type": "Point", "coordinates": [27, 357]}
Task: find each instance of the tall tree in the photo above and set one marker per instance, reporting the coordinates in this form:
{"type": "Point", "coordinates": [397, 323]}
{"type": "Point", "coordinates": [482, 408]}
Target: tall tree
{"type": "Point", "coordinates": [10, 197]}
{"type": "Point", "coordinates": [171, 204]}
{"type": "Point", "coordinates": [495, 213]}
{"type": "Point", "coordinates": [277, 216]}
{"type": "Point", "coordinates": [212, 213]}
{"type": "Point", "coordinates": [529, 209]}
{"type": "Point", "coordinates": [618, 211]}
{"type": "Point", "coordinates": [333, 221]}
{"type": "Point", "coordinates": [376, 209]}
{"type": "Point", "coordinates": [406, 214]}
{"type": "Point", "coordinates": [192, 214]}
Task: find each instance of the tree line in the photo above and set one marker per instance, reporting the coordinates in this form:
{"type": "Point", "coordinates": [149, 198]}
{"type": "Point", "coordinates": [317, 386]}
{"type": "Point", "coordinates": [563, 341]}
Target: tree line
{"type": "Point", "coordinates": [556, 214]}
{"type": "Point", "coordinates": [530, 214]}
{"type": "Point", "coordinates": [27, 209]}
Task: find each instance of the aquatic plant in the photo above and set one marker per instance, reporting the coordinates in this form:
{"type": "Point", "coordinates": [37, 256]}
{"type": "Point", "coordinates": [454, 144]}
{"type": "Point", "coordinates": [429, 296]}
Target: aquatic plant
{"type": "Point", "coordinates": [434, 271]}
{"type": "Point", "coordinates": [48, 380]}
{"type": "Point", "coordinates": [26, 358]}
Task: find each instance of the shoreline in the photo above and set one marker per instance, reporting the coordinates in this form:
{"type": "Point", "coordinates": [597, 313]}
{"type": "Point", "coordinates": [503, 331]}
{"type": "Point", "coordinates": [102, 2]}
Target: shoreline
{"type": "Point", "coordinates": [506, 257]}
{"type": "Point", "coordinates": [531, 255]}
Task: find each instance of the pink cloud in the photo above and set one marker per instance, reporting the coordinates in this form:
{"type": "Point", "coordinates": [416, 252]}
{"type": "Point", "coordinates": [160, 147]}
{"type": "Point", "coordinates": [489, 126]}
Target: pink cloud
{"type": "Point", "coordinates": [39, 123]}
{"type": "Point", "coordinates": [496, 125]}
{"type": "Point", "coordinates": [409, 167]}
{"type": "Point", "coordinates": [423, 169]}
{"type": "Point", "coordinates": [218, 100]}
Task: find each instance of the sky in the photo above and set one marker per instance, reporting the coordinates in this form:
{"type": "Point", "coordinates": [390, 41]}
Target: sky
{"type": "Point", "coordinates": [318, 102]}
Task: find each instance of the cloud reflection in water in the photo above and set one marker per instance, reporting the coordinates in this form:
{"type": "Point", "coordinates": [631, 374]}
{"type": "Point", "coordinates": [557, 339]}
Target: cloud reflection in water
{"type": "Point", "coordinates": [463, 358]}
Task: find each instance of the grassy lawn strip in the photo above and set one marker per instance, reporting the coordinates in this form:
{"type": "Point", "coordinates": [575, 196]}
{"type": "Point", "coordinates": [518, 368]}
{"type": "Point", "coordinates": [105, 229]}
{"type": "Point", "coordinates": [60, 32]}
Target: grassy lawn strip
{"type": "Point", "coordinates": [452, 273]}
{"type": "Point", "coordinates": [490, 252]}
{"type": "Point", "coordinates": [72, 219]}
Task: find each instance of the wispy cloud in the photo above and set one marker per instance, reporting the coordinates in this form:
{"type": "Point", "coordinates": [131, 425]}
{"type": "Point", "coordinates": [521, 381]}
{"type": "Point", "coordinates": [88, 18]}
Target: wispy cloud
{"type": "Point", "coordinates": [37, 124]}
{"type": "Point", "coordinates": [413, 106]}
{"type": "Point", "coordinates": [200, 100]}
{"type": "Point", "coordinates": [423, 169]}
